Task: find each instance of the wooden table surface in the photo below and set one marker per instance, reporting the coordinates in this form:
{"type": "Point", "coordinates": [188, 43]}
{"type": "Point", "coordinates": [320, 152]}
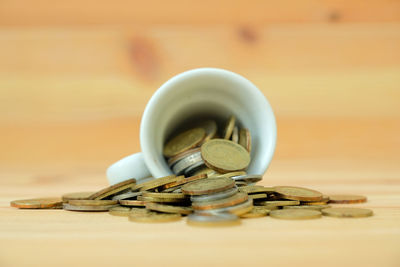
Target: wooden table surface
{"type": "Point", "coordinates": [76, 75]}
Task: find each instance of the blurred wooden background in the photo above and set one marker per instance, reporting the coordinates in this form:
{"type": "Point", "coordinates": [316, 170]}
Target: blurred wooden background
{"type": "Point", "coordinates": [75, 77]}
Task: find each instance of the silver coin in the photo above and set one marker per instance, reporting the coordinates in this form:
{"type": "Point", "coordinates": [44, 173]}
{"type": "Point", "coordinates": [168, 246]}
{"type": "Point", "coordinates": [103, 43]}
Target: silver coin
{"type": "Point", "coordinates": [127, 195]}
{"type": "Point", "coordinates": [248, 178]}
{"type": "Point", "coordinates": [235, 135]}
{"type": "Point", "coordinates": [213, 219]}
{"type": "Point", "coordinates": [186, 162]}
{"type": "Point", "coordinates": [67, 206]}
{"type": "Point", "coordinates": [172, 161]}
{"type": "Point", "coordinates": [238, 210]}
{"type": "Point", "coordinates": [220, 195]}
{"type": "Point", "coordinates": [194, 167]}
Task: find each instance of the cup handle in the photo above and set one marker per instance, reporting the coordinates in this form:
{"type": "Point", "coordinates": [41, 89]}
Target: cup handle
{"type": "Point", "coordinates": [132, 166]}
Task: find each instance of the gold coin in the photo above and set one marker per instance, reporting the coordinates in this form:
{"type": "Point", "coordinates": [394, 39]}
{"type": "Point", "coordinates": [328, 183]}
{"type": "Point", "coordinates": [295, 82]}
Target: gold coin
{"type": "Point", "coordinates": [347, 199]}
{"type": "Point", "coordinates": [208, 186]}
{"type": "Point", "coordinates": [210, 126]}
{"type": "Point", "coordinates": [232, 174]}
{"type": "Point", "coordinates": [158, 182]}
{"type": "Point", "coordinates": [256, 212]}
{"type": "Point", "coordinates": [213, 220]}
{"type": "Point", "coordinates": [347, 212]}
{"type": "Point", "coordinates": [184, 181]}
{"type": "Point", "coordinates": [252, 189]}
{"type": "Point", "coordinates": [229, 127]}
{"type": "Point", "coordinates": [134, 203]}
{"type": "Point", "coordinates": [162, 200]}
{"type": "Point", "coordinates": [113, 190]}
{"type": "Point", "coordinates": [179, 196]}
{"type": "Point", "coordinates": [245, 139]}
{"type": "Point", "coordinates": [295, 214]}
{"type": "Point", "coordinates": [76, 195]}
{"type": "Point", "coordinates": [279, 203]}
{"type": "Point", "coordinates": [92, 202]}
{"type": "Point", "coordinates": [235, 135]}
{"type": "Point", "coordinates": [308, 207]}
{"type": "Point", "coordinates": [68, 206]}
{"type": "Point", "coordinates": [153, 217]}
{"type": "Point", "coordinates": [38, 203]}
{"type": "Point", "coordinates": [206, 170]}
{"type": "Point", "coordinates": [224, 156]}
{"type": "Point", "coordinates": [119, 211]}
{"type": "Point", "coordinates": [168, 208]}
{"type": "Point", "coordinates": [298, 193]}
{"type": "Point", "coordinates": [258, 196]}
{"type": "Point", "coordinates": [183, 141]}
{"type": "Point", "coordinates": [221, 203]}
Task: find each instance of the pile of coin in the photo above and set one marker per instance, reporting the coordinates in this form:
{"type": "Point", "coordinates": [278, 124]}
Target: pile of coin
{"type": "Point", "coordinates": [219, 200]}
{"type": "Point", "coordinates": [198, 150]}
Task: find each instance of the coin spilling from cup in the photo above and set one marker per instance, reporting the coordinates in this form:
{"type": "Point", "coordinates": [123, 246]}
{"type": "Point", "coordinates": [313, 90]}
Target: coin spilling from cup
{"type": "Point", "coordinates": [210, 186]}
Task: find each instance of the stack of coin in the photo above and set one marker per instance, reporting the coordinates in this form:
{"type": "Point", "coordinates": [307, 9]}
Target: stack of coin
{"type": "Point", "coordinates": [219, 200]}
{"type": "Point", "coordinates": [198, 150]}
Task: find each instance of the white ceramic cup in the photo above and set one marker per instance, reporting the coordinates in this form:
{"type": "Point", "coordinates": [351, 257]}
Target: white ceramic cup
{"type": "Point", "coordinates": [204, 92]}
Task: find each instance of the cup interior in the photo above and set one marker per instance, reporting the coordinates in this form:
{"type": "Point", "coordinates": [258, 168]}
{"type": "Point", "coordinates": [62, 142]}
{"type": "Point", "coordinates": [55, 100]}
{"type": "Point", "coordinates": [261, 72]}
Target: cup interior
{"type": "Point", "coordinates": [207, 93]}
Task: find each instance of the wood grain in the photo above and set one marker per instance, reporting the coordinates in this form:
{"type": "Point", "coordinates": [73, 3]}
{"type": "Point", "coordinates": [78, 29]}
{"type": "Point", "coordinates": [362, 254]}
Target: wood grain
{"type": "Point", "coordinates": [45, 12]}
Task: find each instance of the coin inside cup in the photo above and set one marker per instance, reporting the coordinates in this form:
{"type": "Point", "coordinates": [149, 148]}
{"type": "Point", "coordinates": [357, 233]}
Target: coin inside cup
{"type": "Point", "coordinates": [215, 94]}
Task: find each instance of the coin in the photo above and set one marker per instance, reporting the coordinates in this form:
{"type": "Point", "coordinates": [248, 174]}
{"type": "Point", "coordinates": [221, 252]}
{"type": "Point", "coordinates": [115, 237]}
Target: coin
{"type": "Point", "coordinates": [158, 182]}
{"type": "Point", "coordinates": [215, 196]}
{"type": "Point", "coordinates": [153, 217]}
{"type": "Point", "coordinates": [205, 170]}
{"type": "Point", "coordinates": [180, 156]}
{"type": "Point", "coordinates": [232, 174]}
{"type": "Point", "coordinates": [161, 200]}
{"type": "Point", "coordinates": [295, 214]}
{"type": "Point", "coordinates": [221, 203]}
{"type": "Point", "coordinates": [130, 203]}
{"type": "Point", "coordinates": [192, 159]}
{"type": "Point", "coordinates": [68, 206]}
{"type": "Point", "coordinates": [347, 199]}
{"type": "Point", "coordinates": [183, 141]}
{"type": "Point", "coordinates": [113, 190]}
{"type": "Point", "coordinates": [127, 195]}
{"type": "Point", "coordinates": [235, 134]}
{"type": "Point", "coordinates": [224, 156]}
{"type": "Point", "coordinates": [240, 183]}
{"type": "Point", "coordinates": [168, 208]}
{"type": "Point", "coordinates": [252, 189]}
{"type": "Point", "coordinates": [347, 212]}
{"type": "Point", "coordinates": [256, 212]}
{"type": "Point", "coordinates": [38, 203]}
{"type": "Point", "coordinates": [229, 127]}
{"type": "Point", "coordinates": [210, 126]}
{"type": "Point", "coordinates": [258, 196]}
{"type": "Point", "coordinates": [208, 186]}
{"type": "Point", "coordinates": [164, 195]}
{"type": "Point", "coordinates": [184, 181]}
{"type": "Point", "coordinates": [308, 207]}
{"type": "Point", "coordinates": [76, 195]}
{"type": "Point", "coordinates": [278, 203]}
{"type": "Point", "coordinates": [238, 210]}
{"type": "Point", "coordinates": [245, 139]}
{"type": "Point", "coordinates": [224, 219]}
{"type": "Point", "coordinates": [248, 178]}
{"type": "Point", "coordinates": [298, 193]}
{"type": "Point", "coordinates": [92, 202]}
{"type": "Point", "coordinates": [119, 211]}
